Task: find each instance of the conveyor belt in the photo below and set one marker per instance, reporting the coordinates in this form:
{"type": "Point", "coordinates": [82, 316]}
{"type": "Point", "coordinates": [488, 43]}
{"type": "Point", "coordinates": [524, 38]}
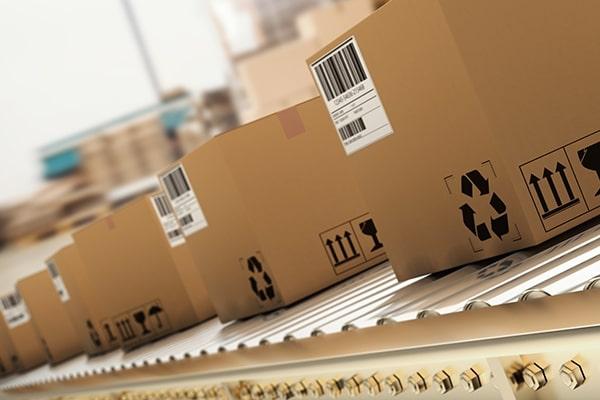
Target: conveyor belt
{"type": "Point", "coordinates": [369, 299]}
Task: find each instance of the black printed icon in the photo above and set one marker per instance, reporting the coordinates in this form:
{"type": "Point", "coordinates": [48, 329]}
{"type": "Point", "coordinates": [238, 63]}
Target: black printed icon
{"type": "Point", "coordinates": [140, 318]}
{"type": "Point", "coordinates": [125, 329]}
{"type": "Point", "coordinates": [109, 333]}
{"type": "Point", "coordinates": [342, 248]}
{"type": "Point", "coordinates": [550, 181]}
{"type": "Point", "coordinates": [497, 268]}
{"type": "Point", "coordinates": [590, 159]}
{"type": "Point", "coordinates": [260, 281]}
{"type": "Point", "coordinates": [93, 333]}
{"type": "Point", "coordinates": [368, 228]}
{"type": "Point", "coordinates": [498, 222]}
{"type": "Point", "coordinates": [155, 312]}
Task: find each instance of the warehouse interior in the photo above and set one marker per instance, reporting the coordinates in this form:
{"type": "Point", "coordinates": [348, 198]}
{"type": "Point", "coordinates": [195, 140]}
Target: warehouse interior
{"type": "Point", "coordinates": [286, 199]}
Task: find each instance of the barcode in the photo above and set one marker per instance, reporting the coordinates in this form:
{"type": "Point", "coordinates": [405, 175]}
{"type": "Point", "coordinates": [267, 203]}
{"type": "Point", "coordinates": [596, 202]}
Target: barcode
{"type": "Point", "coordinates": [174, 234]}
{"type": "Point", "coordinates": [162, 205]}
{"type": "Point", "coordinates": [341, 71]}
{"type": "Point", "coordinates": [11, 300]}
{"type": "Point", "coordinates": [353, 128]}
{"type": "Point", "coordinates": [53, 270]}
{"type": "Point", "coordinates": [176, 183]}
{"type": "Point", "coordinates": [187, 219]}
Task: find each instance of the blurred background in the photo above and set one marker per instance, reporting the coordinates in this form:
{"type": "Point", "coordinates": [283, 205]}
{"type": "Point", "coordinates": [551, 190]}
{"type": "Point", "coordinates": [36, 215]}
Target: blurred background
{"type": "Point", "coordinates": [96, 97]}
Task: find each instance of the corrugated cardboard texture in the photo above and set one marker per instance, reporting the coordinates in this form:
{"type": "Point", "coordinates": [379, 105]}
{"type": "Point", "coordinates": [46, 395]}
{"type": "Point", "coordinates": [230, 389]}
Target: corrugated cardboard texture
{"type": "Point", "coordinates": [27, 345]}
{"type": "Point", "coordinates": [475, 92]}
{"type": "Point", "coordinates": [8, 358]}
{"type": "Point", "coordinates": [50, 317]}
{"type": "Point", "coordinates": [281, 211]}
{"type": "Point", "coordinates": [128, 259]}
{"type": "Point", "coordinates": [84, 305]}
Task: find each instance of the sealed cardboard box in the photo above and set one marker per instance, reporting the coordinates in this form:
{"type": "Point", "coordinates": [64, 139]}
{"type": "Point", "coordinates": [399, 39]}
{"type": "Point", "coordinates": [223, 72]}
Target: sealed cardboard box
{"type": "Point", "coordinates": [271, 214]}
{"type": "Point", "coordinates": [474, 132]}
{"type": "Point", "coordinates": [128, 258]}
{"type": "Point", "coordinates": [9, 361]}
{"type": "Point", "coordinates": [49, 317]}
{"type": "Point", "coordinates": [80, 300]}
{"type": "Point", "coordinates": [182, 257]}
{"type": "Point", "coordinates": [16, 321]}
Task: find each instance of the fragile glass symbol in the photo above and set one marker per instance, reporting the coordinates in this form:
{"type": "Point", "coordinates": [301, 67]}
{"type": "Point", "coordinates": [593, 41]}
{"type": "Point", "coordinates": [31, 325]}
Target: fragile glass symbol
{"type": "Point", "coordinates": [590, 159]}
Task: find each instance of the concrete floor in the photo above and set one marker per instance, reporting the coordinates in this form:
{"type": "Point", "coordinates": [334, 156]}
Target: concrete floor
{"type": "Point", "coordinates": [19, 261]}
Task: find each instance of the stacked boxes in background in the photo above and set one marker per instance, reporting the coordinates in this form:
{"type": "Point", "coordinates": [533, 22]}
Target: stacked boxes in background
{"type": "Point", "coordinates": [80, 300]}
{"type": "Point", "coordinates": [49, 317]}
{"type": "Point", "coordinates": [474, 132]}
{"type": "Point", "coordinates": [271, 214]}
{"type": "Point", "coordinates": [276, 78]}
{"type": "Point", "coordinates": [130, 261]}
{"type": "Point", "coordinates": [21, 332]}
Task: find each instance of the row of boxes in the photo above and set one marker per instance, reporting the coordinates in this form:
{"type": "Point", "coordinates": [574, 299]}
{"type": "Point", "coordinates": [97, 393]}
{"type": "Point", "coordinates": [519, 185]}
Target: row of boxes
{"type": "Point", "coordinates": [471, 134]}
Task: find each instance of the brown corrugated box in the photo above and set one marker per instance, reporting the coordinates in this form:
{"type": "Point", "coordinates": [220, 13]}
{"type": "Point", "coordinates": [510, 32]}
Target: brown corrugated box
{"type": "Point", "coordinates": [49, 317]}
{"type": "Point", "coordinates": [80, 300]}
{"type": "Point", "coordinates": [182, 257]}
{"type": "Point", "coordinates": [9, 361]}
{"type": "Point", "coordinates": [18, 324]}
{"type": "Point", "coordinates": [271, 214]}
{"type": "Point", "coordinates": [486, 137]}
{"type": "Point", "coordinates": [128, 259]}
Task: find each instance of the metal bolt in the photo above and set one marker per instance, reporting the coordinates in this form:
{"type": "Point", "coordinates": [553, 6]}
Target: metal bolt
{"type": "Point", "coordinates": [256, 392]}
{"type": "Point", "coordinates": [470, 380]}
{"type": "Point", "coordinates": [270, 392]}
{"type": "Point", "coordinates": [315, 389]}
{"type": "Point", "coordinates": [283, 391]}
{"type": "Point", "coordinates": [245, 393]}
{"type": "Point", "coordinates": [515, 375]}
{"type": "Point", "coordinates": [372, 385]}
{"type": "Point", "coordinates": [442, 382]}
{"type": "Point", "coordinates": [334, 387]}
{"type": "Point", "coordinates": [417, 383]}
{"type": "Point", "coordinates": [393, 385]}
{"type": "Point", "coordinates": [299, 389]}
{"type": "Point", "coordinates": [572, 374]}
{"type": "Point", "coordinates": [353, 385]}
{"type": "Point", "coordinates": [534, 376]}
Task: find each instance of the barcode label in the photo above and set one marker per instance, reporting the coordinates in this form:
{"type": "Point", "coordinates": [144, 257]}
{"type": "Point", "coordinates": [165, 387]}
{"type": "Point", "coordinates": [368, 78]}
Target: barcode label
{"type": "Point", "coordinates": [353, 128]}
{"type": "Point", "coordinates": [167, 219]}
{"type": "Point", "coordinates": [58, 282]}
{"type": "Point", "coordinates": [183, 200]}
{"type": "Point", "coordinates": [351, 98]}
{"type": "Point", "coordinates": [14, 310]}
{"type": "Point", "coordinates": [176, 183]}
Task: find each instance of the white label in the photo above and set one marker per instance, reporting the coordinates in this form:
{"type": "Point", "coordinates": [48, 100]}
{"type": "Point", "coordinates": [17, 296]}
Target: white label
{"type": "Point", "coordinates": [351, 97]}
{"type": "Point", "coordinates": [58, 282]}
{"type": "Point", "coordinates": [14, 310]}
{"type": "Point", "coordinates": [167, 219]}
{"type": "Point", "coordinates": [183, 200]}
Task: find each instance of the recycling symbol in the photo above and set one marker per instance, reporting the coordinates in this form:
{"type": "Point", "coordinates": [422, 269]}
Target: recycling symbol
{"type": "Point", "coordinates": [497, 269]}
{"type": "Point", "coordinates": [260, 281]}
{"type": "Point", "coordinates": [498, 222]}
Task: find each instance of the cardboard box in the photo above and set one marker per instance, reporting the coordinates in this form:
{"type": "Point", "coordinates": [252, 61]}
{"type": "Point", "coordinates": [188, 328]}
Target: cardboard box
{"type": "Point", "coordinates": [276, 78]}
{"type": "Point", "coordinates": [474, 132]}
{"type": "Point", "coordinates": [271, 214]}
{"type": "Point", "coordinates": [49, 317]}
{"type": "Point", "coordinates": [9, 361]}
{"type": "Point", "coordinates": [16, 321]}
{"type": "Point", "coordinates": [182, 257]}
{"type": "Point", "coordinates": [325, 22]}
{"type": "Point", "coordinates": [80, 300]}
{"type": "Point", "coordinates": [129, 260]}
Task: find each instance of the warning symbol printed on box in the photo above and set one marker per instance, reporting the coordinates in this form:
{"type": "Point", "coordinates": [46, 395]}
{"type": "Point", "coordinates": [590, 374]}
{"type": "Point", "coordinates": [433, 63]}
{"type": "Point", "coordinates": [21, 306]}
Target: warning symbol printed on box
{"type": "Point", "coordinates": [565, 183]}
{"type": "Point", "coordinates": [549, 198]}
{"type": "Point", "coordinates": [352, 243]}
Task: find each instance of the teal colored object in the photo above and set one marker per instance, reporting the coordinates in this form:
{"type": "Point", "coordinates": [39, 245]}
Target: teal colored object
{"type": "Point", "coordinates": [173, 118]}
{"type": "Point", "coordinates": [62, 163]}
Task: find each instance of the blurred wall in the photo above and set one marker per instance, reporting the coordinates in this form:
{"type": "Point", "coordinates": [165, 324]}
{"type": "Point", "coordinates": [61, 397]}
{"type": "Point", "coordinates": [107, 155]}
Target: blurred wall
{"type": "Point", "coordinates": [67, 65]}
